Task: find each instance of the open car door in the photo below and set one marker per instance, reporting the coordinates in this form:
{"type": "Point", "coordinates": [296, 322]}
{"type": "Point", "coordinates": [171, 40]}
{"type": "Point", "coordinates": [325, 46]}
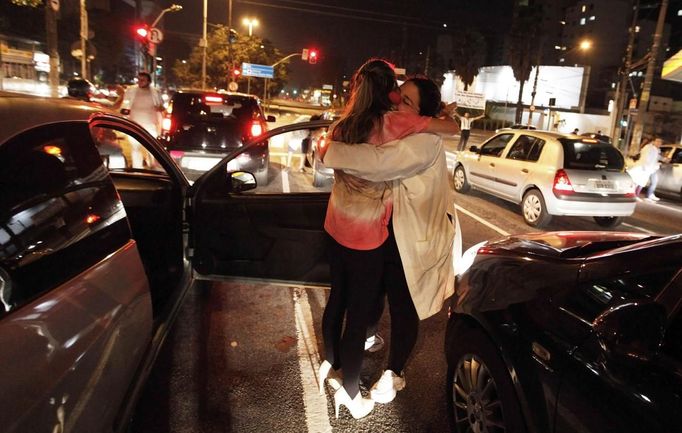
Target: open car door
{"type": "Point", "coordinates": [273, 231]}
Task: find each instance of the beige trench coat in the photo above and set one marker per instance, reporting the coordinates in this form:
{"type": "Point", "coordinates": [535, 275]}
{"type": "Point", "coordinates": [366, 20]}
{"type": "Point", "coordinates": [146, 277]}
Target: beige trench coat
{"type": "Point", "coordinates": [423, 209]}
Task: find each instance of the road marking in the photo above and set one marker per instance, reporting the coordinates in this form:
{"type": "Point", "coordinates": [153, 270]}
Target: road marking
{"type": "Point", "coordinates": [639, 228]}
{"type": "Point", "coordinates": [665, 206]}
{"type": "Point", "coordinates": [285, 182]}
{"type": "Point", "coordinates": [316, 411]}
{"type": "Point", "coordinates": [482, 221]}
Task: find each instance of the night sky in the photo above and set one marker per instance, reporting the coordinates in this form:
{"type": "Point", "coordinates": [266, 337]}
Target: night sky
{"type": "Point", "coordinates": [345, 32]}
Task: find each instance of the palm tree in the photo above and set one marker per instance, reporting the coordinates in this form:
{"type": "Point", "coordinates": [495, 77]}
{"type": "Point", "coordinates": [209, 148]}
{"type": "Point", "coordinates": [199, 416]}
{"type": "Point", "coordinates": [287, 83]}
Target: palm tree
{"type": "Point", "coordinates": [468, 55]}
{"type": "Point", "coordinates": [523, 44]}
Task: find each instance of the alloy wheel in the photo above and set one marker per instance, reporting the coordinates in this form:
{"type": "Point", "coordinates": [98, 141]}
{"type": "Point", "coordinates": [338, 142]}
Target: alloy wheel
{"type": "Point", "coordinates": [476, 400]}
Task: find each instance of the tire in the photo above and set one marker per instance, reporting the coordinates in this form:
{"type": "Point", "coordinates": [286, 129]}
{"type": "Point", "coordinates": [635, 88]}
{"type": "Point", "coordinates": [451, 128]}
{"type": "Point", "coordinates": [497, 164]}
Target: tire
{"type": "Point", "coordinates": [534, 210]}
{"type": "Point", "coordinates": [459, 180]}
{"type": "Point", "coordinates": [608, 221]}
{"type": "Point", "coordinates": [481, 395]}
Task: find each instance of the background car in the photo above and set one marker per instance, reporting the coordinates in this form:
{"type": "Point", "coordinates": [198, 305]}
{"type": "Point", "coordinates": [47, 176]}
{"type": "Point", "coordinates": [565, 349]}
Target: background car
{"type": "Point", "coordinates": [518, 126]}
{"type": "Point", "coordinates": [549, 174]}
{"type": "Point", "coordinates": [597, 136]}
{"type": "Point", "coordinates": [80, 88]}
{"type": "Point", "coordinates": [568, 332]}
{"type": "Point", "coordinates": [670, 173]}
{"type": "Point", "coordinates": [202, 127]}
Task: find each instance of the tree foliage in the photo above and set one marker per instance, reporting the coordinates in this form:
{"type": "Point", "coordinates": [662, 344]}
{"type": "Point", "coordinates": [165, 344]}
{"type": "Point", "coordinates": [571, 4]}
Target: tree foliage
{"type": "Point", "coordinates": [524, 44]}
{"type": "Point", "coordinates": [249, 49]}
{"type": "Point", "coordinates": [468, 55]}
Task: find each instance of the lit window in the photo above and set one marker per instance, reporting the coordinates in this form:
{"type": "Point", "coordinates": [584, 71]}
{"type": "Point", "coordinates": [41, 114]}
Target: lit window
{"type": "Point", "coordinates": [584, 8]}
{"type": "Point", "coordinates": [592, 18]}
{"type": "Point", "coordinates": [582, 21]}
{"type": "Point", "coordinates": [563, 23]}
{"type": "Point", "coordinates": [556, 47]}
{"type": "Point", "coordinates": [679, 13]}
{"type": "Point", "coordinates": [636, 29]}
{"type": "Point", "coordinates": [561, 60]}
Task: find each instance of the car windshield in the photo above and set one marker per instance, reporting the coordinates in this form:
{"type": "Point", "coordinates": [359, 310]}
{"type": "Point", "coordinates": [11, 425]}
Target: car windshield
{"type": "Point", "coordinates": [218, 107]}
{"type": "Point", "coordinates": [591, 155]}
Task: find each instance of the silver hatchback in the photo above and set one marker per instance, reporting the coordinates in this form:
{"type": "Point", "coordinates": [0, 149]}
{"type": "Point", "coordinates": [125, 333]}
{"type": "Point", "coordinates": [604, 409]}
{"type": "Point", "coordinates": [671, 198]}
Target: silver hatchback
{"type": "Point", "coordinates": [550, 174]}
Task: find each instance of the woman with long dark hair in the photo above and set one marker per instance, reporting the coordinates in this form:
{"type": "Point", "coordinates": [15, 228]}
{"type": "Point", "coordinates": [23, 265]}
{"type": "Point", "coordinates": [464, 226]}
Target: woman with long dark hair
{"type": "Point", "coordinates": [358, 218]}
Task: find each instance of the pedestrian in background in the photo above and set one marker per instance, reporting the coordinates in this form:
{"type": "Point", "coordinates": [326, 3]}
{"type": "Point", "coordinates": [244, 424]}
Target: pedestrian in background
{"type": "Point", "coordinates": [645, 170]}
{"type": "Point", "coordinates": [465, 127]}
{"type": "Point", "coordinates": [143, 104]}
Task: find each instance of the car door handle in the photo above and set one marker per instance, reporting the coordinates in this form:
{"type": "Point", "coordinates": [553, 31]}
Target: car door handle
{"type": "Point", "coordinates": [492, 164]}
{"type": "Point", "coordinates": [524, 170]}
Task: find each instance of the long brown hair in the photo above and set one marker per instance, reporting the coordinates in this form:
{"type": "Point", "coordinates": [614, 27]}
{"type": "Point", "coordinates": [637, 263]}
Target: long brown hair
{"type": "Point", "coordinates": [368, 102]}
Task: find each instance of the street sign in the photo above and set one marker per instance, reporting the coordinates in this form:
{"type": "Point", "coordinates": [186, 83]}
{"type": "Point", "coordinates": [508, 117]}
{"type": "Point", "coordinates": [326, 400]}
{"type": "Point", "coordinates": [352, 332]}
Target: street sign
{"type": "Point", "coordinates": [233, 86]}
{"type": "Point", "coordinates": [633, 103]}
{"type": "Point", "coordinates": [254, 70]}
{"type": "Point", "coordinates": [155, 36]}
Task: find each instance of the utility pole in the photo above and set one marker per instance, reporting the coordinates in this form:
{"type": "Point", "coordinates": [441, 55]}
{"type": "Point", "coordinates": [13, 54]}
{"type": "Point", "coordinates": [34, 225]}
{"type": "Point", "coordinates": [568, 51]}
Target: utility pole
{"type": "Point", "coordinates": [204, 43]}
{"type": "Point", "coordinates": [621, 87]}
{"type": "Point", "coordinates": [84, 40]}
{"type": "Point", "coordinates": [51, 9]}
{"type": "Point", "coordinates": [649, 77]}
{"type": "Point", "coordinates": [229, 35]}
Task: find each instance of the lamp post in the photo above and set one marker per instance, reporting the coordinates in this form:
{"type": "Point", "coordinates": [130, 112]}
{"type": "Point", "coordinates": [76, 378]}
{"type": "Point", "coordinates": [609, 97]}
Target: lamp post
{"type": "Point", "coordinates": [173, 8]}
{"type": "Point", "coordinates": [250, 23]}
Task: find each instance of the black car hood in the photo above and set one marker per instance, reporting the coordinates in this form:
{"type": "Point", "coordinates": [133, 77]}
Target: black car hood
{"type": "Point", "coordinates": [521, 268]}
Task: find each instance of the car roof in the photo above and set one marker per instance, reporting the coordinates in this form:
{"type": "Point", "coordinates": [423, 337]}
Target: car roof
{"type": "Point", "coordinates": [213, 92]}
{"type": "Point", "coordinates": [540, 133]}
{"type": "Point", "coordinates": [28, 111]}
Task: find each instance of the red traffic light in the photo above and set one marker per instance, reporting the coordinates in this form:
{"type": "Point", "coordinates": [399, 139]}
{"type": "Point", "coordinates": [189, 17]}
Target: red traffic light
{"type": "Point", "coordinates": [312, 57]}
{"type": "Point", "coordinates": [236, 72]}
{"type": "Point", "coordinates": [142, 32]}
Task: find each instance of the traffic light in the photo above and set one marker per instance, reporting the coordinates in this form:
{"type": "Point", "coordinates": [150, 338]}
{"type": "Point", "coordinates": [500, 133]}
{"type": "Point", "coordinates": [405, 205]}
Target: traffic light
{"type": "Point", "coordinates": [312, 57]}
{"type": "Point", "coordinates": [236, 73]}
{"type": "Point", "coordinates": [142, 32]}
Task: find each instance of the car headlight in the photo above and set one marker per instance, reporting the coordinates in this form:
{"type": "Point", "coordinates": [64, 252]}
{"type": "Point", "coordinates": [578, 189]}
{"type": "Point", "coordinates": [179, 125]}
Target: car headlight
{"type": "Point", "coordinates": [468, 258]}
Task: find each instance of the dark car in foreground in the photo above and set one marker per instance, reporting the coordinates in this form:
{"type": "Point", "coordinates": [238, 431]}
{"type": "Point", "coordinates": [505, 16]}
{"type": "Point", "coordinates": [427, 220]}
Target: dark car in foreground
{"type": "Point", "coordinates": [568, 332]}
{"type": "Point", "coordinates": [201, 127]}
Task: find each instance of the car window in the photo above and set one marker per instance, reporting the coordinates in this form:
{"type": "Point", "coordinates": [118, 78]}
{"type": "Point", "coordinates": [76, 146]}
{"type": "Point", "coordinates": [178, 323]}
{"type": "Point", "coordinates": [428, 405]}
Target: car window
{"type": "Point", "coordinates": [526, 148]}
{"type": "Point", "coordinates": [582, 155]}
{"type": "Point", "coordinates": [121, 151]}
{"type": "Point", "coordinates": [496, 145]}
{"type": "Point", "coordinates": [216, 106]}
{"type": "Point", "coordinates": [677, 157]}
{"type": "Point", "coordinates": [594, 297]}
{"type": "Point", "coordinates": [59, 211]}
{"type": "Point", "coordinates": [286, 163]}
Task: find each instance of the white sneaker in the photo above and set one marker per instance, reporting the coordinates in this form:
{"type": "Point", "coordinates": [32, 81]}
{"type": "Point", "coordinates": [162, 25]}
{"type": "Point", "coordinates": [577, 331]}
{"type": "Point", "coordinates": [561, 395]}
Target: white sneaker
{"type": "Point", "coordinates": [374, 343]}
{"type": "Point", "coordinates": [653, 198]}
{"type": "Point", "coordinates": [386, 388]}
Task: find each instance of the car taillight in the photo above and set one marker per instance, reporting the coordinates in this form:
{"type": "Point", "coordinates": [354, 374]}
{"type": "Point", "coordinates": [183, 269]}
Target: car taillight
{"type": "Point", "coordinates": [562, 185]}
{"type": "Point", "coordinates": [256, 129]}
{"type": "Point", "coordinates": [177, 154]}
{"type": "Point", "coordinates": [166, 124]}
{"type": "Point", "coordinates": [213, 99]}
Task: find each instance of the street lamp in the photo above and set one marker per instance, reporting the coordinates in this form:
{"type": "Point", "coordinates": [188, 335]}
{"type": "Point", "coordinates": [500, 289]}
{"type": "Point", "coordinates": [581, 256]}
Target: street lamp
{"type": "Point", "coordinates": [250, 23]}
{"type": "Point", "coordinates": [585, 44]}
{"type": "Point", "coordinates": [172, 8]}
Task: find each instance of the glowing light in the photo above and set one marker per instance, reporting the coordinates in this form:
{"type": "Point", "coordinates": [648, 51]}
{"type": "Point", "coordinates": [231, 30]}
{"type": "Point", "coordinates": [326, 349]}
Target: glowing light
{"type": "Point", "coordinates": [52, 150]}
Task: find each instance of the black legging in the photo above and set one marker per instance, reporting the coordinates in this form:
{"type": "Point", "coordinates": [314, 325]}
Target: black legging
{"type": "Point", "coordinates": [359, 279]}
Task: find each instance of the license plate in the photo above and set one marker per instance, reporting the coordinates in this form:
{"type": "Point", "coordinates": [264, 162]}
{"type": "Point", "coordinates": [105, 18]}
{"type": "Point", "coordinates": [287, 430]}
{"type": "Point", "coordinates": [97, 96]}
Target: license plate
{"type": "Point", "coordinates": [602, 185]}
{"type": "Point", "coordinates": [199, 164]}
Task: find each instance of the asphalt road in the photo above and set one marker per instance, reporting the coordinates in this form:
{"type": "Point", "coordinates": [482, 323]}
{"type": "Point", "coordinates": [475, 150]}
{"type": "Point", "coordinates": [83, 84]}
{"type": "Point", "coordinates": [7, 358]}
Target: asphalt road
{"type": "Point", "coordinates": [244, 357]}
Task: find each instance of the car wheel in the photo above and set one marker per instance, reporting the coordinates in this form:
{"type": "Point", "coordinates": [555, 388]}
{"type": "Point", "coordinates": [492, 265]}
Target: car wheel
{"type": "Point", "coordinates": [460, 180]}
{"type": "Point", "coordinates": [481, 395]}
{"type": "Point", "coordinates": [608, 221]}
{"type": "Point", "coordinates": [534, 210]}
{"type": "Point", "coordinates": [318, 179]}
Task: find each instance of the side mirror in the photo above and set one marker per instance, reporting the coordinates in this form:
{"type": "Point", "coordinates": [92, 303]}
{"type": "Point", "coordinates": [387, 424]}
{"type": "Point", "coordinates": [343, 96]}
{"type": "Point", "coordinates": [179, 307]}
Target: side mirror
{"type": "Point", "coordinates": [473, 149]}
{"type": "Point", "coordinates": [271, 118]}
{"type": "Point", "coordinates": [635, 329]}
{"type": "Point", "coordinates": [240, 181]}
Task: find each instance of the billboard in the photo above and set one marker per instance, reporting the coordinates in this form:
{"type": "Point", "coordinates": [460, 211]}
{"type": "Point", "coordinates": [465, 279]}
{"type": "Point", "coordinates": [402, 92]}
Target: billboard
{"type": "Point", "coordinates": [497, 83]}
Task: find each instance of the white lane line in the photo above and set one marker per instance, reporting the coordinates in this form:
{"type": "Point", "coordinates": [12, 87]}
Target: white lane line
{"type": "Point", "coordinates": [316, 412]}
{"type": "Point", "coordinates": [665, 206]}
{"type": "Point", "coordinates": [482, 221]}
{"type": "Point", "coordinates": [285, 182]}
{"type": "Point", "coordinates": [640, 229]}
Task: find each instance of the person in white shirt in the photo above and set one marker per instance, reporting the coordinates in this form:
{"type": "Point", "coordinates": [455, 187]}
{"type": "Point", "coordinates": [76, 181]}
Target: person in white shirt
{"type": "Point", "coordinates": [649, 159]}
{"type": "Point", "coordinates": [143, 104]}
{"type": "Point", "coordinates": [465, 126]}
